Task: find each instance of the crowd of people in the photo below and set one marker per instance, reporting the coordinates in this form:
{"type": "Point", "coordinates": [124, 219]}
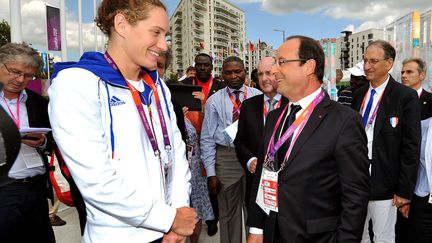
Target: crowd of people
{"type": "Point", "coordinates": [283, 163]}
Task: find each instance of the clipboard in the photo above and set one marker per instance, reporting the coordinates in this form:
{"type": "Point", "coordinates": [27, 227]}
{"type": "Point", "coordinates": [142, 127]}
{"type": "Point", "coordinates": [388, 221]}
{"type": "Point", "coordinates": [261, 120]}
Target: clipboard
{"type": "Point", "coordinates": [182, 94]}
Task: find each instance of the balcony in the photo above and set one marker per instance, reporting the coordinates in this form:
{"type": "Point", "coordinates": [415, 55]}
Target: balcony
{"type": "Point", "coordinates": [199, 5]}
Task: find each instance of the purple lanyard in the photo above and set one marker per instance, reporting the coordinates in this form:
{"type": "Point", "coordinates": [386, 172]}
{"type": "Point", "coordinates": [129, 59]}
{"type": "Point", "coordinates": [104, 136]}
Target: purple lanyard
{"type": "Point", "coordinates": [300, 122]}
{"type": "Point", "coordinates": [139, 105]}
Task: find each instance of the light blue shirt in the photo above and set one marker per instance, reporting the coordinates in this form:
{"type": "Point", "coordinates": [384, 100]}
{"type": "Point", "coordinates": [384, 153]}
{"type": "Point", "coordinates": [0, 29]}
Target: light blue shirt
{"type": "Point", "coordinates": [19, 169]}
{"type": "Point", "coordinates": [217, 117]}
{"type": "Point", "coordinates": [422, 185]}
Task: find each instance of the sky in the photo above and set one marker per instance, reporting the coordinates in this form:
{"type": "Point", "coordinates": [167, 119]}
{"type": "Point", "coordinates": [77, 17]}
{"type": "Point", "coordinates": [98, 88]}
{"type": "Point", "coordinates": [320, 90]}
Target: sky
{"type": "Point", "coordinates": [315, 18]}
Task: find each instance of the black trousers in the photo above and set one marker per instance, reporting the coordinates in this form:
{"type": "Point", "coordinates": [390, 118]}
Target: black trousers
{"type": "Point", "coordinates": [420, 220]}
{"type": "Point", "coordinates": [24, 212]}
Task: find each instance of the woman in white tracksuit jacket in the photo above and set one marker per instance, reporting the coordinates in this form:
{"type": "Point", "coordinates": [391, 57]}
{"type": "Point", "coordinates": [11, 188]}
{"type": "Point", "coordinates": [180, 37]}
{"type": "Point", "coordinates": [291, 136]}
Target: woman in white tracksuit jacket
{"type": "Point", "coordinates": [99, 131]}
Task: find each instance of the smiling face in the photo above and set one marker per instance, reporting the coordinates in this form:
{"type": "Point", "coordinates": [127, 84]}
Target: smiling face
{"type": "Point", "coordinates": [411, 76]}
{"type": "Point", "coordinates": [233, 73]}
{"type": "Point", "coordinates": [376, 66]}
{"type": "Point", "coordinates": [144, 41]}
{"type": "Point", "coordinates": [295, 79]}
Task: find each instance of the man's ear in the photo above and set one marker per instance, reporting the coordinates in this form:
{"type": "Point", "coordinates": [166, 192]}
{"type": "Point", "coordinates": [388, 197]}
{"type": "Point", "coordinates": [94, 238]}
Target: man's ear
{"type": "Point", "coordinates": [120, 24]}
{"type": "Point", "coordinates": [310, 67]}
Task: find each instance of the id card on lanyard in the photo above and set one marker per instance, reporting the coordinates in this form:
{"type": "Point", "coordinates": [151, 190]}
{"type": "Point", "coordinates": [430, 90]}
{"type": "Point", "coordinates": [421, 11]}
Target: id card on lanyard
{"type": "Point", "coordinates": [267, 197]}
{"type": "Point", "coordinates": [165, 165]}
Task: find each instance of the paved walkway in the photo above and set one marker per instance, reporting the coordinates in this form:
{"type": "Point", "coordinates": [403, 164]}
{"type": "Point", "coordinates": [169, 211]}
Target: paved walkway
{"type": "Point", "coordinates": [70, 233]}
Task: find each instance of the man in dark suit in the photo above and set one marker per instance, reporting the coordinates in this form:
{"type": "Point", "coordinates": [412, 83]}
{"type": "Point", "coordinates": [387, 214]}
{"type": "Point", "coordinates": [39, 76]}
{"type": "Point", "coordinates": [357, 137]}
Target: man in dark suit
{"type": "Point", "coordinates": [23, 204]}
{"type": "Point", "coordinates": [204, 78]}
{"type": "Point", "coordinates": [315, 186]}
{"type": "Point", "coordinates": [391, 116]}
{"type": "Point", "coordinates": [252, 118]}
{"type": "Point", "coordinates": [413, 219]}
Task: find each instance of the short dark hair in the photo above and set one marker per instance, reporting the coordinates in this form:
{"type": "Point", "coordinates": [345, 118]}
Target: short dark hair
{"type": "Point", "coordinates": [204, 55]}
{"type": "Point", "coordinates": [233, 59]}
{"type": "Point", "coordinates": [389, 51]}
{"type": "Point", "coordinates": [168, 58]}
{"type": "Point", "coordinates": [420, 63]}
{"type": "Point", "coordinates": [311, 49]}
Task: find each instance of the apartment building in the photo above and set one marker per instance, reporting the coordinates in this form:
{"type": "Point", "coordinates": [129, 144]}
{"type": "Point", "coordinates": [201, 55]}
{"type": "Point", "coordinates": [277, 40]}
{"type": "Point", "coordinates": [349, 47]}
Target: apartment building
{"type": "Point", "coordinates": [215, 27]}
{"type": "Point", "coordinates": [350, 47]}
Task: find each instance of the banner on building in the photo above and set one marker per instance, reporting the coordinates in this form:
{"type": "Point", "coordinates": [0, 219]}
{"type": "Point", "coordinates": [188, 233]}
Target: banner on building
{"type": "Point", "coordinates": [416, 29]}
{"type": "Point", "coordinates": [53, 28]}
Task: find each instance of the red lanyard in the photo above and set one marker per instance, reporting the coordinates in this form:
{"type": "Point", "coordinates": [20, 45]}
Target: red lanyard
{"type": "Point", "coordinates": [236, 107]}
{"type": "Point", "coordinates": [300, 122]}
{"type": "Point", "coordinates": [139, 105]}
{"type": "Point", "coordinates": [374, 114]}
{"type": "Point", "coordinates": [17, 117]}
{"type": "Point", "coordinates": [265, 107]}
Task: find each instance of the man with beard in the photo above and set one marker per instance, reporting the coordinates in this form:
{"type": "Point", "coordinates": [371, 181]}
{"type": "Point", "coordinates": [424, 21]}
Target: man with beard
{"type": "Point", "coordinates": [224, 173]}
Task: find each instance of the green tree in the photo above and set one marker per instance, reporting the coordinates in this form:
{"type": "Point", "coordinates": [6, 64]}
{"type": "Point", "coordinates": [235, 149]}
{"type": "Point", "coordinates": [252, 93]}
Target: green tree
{"type": "Point", "coordinates": [5, 35]}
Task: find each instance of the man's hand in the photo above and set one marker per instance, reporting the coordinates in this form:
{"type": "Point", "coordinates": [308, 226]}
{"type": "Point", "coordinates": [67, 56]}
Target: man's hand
{"type": "Point", "coordinates": [252, 166]}
{"type": "Point", "coordinates": [34, 140]}
{"type": "Point", "coordinates": [214, 185]}
{"type": "Point", "coordinates": [405, 210]}
{"type": "Point", "coordinates": [185, 110]}
{"type": "Point", "coordinates": [172, 237]}
{"type": "Point", "coordinates": [254, 238]}
{"type": "Point", "coordinates": [184, 221]}
{"type": "Point", "coordinates": [199, 95]}
{"type": "Point", "coordinates": [399, 201]}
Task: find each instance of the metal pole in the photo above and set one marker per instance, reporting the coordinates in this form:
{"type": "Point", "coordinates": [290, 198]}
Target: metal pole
{"type": "Point", "coordinates": [15, 19]}
{"type": "Point", "coordinates": [80, 37]}
{"type": "Point", "coordinates": [64, 53]}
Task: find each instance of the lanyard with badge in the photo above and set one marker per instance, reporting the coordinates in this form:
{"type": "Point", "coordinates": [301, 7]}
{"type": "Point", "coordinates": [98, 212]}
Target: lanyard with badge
{"type": "Point", "coordinates": [267, 197]}
{"type": "Point", "coordinates": [166, 166]}
{"type": "Point", "coordinates": [17, 117]}
{"type": "Point", "coordinates": [375, 112]}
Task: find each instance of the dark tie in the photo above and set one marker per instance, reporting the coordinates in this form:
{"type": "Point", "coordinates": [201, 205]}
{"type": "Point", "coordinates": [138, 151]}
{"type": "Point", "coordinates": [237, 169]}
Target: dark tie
{"type": "Point", "coordinates": [272, 102]}
{"type": "Point", "coordinates": [368, 108]}
{"type": "Point", "coordinates": [290, 120]}
{"type": "Point", "coordinates": [236, 112]}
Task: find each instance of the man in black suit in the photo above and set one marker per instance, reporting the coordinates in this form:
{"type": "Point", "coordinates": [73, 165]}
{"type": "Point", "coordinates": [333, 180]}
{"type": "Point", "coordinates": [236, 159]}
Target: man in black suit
{"type": "Point", "coordinates": [252, 118]}
{"type": "Point", "coordinates": [391, 116]}
{"type": "Point", "coordinates": [412, 222]}
{"type": "Point", "coordinates": [315, 186]}
{"type": "Point", "coordinates": [203, 77]}
{"type": "Point", "coordinates": [23, 204]}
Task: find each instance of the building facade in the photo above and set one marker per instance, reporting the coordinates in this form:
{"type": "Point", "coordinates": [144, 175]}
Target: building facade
{"type": "Point", "coordinates": [351, 47]}
{"type": "Point", "coordinates": [214, 27]}
{"type": "Point", "coordinates": [411, 35]}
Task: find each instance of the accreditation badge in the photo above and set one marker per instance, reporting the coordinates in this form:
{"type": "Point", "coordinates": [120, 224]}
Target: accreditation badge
{"type": "Point", "coordinates": [267, 197]}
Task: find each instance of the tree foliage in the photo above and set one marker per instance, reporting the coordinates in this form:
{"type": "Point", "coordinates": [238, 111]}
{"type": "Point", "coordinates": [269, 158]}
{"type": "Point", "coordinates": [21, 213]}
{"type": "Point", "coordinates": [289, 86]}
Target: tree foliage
{"type": "Point", "coordinates": [5, 34]}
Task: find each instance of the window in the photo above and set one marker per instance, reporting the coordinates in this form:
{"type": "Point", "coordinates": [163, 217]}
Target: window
{"type": "Point", "coordinates": [370, 36]}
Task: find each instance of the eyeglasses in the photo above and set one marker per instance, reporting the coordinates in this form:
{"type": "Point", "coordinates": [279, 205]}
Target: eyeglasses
{"type": "Point", "coordinates": [282, 61]}
{"type": "Point", "coordinates": [373, 61]}
{"type": "Point", "coordinates": [17, 74]}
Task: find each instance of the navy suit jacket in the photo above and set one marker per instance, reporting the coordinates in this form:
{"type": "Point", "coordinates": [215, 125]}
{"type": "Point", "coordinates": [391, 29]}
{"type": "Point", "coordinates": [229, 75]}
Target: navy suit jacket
{"type": "Point", "coordinates": [395, 150]}
{"type": "Point", "coordinates": [324, 188]}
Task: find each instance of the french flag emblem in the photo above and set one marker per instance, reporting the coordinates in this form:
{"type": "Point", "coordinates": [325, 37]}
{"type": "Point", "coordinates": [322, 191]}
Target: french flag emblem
{"type": "Point", "coordinates": [394, 121]}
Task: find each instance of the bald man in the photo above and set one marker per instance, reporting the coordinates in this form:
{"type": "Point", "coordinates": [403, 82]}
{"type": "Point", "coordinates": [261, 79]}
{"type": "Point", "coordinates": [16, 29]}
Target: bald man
{"type": "Point", "coordinates": [252, 119]}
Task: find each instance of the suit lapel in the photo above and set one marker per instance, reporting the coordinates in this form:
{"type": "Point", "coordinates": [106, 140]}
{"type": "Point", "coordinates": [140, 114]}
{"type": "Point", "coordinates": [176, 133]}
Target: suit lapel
{"type": "Point", "coordinates": [384, 106]}
{"type": "Point", "coordinates": [314, 121]}
{"type": "Point", "coordinates": [260, 115]}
